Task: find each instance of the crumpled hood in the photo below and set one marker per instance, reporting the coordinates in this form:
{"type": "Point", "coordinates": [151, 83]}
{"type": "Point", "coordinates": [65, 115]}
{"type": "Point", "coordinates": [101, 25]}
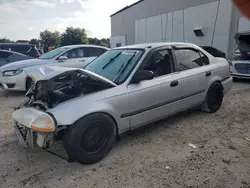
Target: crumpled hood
{"type": "Point", "coordinates": [48, 72]}
{"type": "Point", "coordinates": [22, 64]}
{"type": "Point", "coordinates": [243, 41]}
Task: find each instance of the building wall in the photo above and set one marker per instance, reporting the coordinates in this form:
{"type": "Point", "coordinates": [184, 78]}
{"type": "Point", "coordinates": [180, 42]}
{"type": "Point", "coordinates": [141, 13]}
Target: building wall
{"type": "Point", "coordinates": [123, 23]}
{"type": "Point", "coordinates": [174, 20]}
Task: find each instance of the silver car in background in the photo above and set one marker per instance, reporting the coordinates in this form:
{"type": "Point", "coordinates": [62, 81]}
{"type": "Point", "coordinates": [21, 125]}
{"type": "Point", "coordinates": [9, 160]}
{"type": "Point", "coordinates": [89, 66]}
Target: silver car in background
{"type": "Point", "coordinates": [123, 89]}
{"type": "Point", "coordinates": [13, 76]}
{"type": "Point", "coordinates": [240, 62]}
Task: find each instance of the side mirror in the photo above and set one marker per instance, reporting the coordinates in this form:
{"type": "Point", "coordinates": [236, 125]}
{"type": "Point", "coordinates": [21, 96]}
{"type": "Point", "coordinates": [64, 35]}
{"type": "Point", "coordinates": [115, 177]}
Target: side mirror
{"type": "Point", "coordinates": [62, 58]}
{"type": "Point", "coordinates": [142, 75]}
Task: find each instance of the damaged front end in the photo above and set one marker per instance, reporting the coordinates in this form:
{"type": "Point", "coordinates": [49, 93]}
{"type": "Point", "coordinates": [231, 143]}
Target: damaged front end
{"type": "Point", "coordinates": [33, 125]}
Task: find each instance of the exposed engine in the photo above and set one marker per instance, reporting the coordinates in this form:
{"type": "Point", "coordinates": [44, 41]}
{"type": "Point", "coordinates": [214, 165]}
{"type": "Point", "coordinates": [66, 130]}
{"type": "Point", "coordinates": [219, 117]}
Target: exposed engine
{"type": "Point", "coordinates": [46, 94]}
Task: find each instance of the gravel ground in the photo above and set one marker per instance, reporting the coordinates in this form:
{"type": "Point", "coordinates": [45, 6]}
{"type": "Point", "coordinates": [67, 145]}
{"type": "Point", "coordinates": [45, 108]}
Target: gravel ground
{"type": "Point", "coordinates": [156, 156]}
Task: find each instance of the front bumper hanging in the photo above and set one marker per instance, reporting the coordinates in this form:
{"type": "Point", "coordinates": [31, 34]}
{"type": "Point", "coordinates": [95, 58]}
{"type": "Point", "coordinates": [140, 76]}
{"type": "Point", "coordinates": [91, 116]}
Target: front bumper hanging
{"type": "Point", "coordinates": [25, 136]}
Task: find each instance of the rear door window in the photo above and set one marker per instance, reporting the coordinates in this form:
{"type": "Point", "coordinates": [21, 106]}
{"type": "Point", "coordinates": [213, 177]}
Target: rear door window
{"type": "Point", "coordinates": [21, 49]}
{"type": "Point", "coordinates": [4, 55]}
{"type": "Point", "coordinates": [76, 53]}
{"type": "Point", "coordinates": [189, 59]}
{"type": "Point", "coordinates": [95, 52]}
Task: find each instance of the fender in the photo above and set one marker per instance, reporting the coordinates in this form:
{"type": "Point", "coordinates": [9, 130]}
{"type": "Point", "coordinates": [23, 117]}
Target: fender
{"type": "Point", "coordinates": [65, 116]}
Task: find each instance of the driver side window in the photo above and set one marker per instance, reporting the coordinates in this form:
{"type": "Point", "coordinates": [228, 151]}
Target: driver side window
{"type": "Point", "coordinates": [75, 53]}
{"type": "Point", "coordinates": [160, 63]}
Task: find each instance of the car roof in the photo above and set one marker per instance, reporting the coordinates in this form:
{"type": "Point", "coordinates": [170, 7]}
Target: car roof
{"type": "Point", "coordinates": [16, 44]}
{"type": "Point", "coordinates": [85, 45]}
{"type": "Point", "coordinates": [12, 52]}
{"type": "Point", "coordinates": [157, 45]}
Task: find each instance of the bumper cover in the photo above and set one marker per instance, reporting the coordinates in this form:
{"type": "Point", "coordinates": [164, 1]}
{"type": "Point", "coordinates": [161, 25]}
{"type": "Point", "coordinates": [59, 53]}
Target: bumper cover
{"type": "Point", "coordinates": [26, 137]}
{"type": "Point", "coordinates": [227, 84]}
{"type": "Point", "coordinates": [235, 75]}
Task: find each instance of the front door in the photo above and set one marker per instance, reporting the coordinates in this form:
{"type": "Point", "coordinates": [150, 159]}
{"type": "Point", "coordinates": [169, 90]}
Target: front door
{"type": "Point", "coordinates": [153, 99]}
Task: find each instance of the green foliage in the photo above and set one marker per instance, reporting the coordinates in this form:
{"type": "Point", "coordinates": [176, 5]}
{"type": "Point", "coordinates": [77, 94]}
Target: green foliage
{"type": "Point", "coordinates": [5, 40]}
{"type": "Point", "coordinates": [71, 36]}
{"type": "Point", "coordinates": [37, 42]}
{"type": "Point", "coordinates": [50, 39]}
{"type": "Point", "coordinates": [74, 36]}
{"type": "Point", "coordinates": [102, 42]}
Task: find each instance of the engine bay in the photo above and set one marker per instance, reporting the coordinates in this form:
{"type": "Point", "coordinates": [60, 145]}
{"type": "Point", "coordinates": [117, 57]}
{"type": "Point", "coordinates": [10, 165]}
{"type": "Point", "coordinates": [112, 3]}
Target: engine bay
{"type": "Point", "coordinates": [46, 94]}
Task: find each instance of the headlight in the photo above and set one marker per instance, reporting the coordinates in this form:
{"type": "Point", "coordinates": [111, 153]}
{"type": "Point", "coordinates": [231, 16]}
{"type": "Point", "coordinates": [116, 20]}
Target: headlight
{"type": "Point", "coordinates": [12, 72]}
{"type": "Point", "coordinates": [34, 119]}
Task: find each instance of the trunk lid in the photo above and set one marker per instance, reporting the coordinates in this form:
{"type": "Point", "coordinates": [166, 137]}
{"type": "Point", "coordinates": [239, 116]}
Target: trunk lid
{"type": "Point", "coordinates": [243, 41]}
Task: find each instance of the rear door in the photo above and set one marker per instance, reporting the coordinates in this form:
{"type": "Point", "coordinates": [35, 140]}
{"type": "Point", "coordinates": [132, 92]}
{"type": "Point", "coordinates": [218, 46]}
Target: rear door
{"type": "Point", "coordinates": [154, 99]}
{"type": "Point", "coordinates": [195, 73]}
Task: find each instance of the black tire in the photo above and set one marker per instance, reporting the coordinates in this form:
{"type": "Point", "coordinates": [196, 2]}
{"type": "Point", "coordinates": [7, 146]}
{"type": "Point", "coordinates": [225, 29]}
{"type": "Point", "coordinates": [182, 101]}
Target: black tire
{"type": "Point", "coordinates": [29, 83]}
{"type": "Point", "coordinates": [214, 98]}
{"type": "Point", "coordinates": [90, 138]}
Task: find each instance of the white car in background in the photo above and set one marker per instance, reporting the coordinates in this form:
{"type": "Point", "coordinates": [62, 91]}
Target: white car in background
{"type": "Point", "coordinates": [240, 62]}
{"type": "Point", "coordinates": [14, 77]}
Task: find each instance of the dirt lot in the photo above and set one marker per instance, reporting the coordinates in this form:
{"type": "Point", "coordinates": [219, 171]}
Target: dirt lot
{"type": "Point", "coordinates": [157, 156]}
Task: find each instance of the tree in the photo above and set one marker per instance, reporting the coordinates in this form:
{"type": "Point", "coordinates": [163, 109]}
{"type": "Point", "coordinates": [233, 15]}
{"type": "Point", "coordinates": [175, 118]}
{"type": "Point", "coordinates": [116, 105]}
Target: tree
{"type": "Point", "coordinates": [74, 36]}
{"type": "Point", "coordinates": [37, 42]}
{"type": "Point", "coordinates": [50, 39]}
{"type": "Point", "coordinates": [105, 42]}
{"type": "Point", "coordinates": [102, 42]}
{"type": "Point", "coordinates": [5, 40]}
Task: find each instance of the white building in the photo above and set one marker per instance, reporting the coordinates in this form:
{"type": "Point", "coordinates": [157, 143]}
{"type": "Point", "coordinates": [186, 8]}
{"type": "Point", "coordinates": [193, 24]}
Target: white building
{"type": "Point", "coordinates": [203, 22]}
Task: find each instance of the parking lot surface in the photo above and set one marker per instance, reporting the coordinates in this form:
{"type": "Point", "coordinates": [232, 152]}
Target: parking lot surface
{"type": "Point", "coordinates": [159, 155]}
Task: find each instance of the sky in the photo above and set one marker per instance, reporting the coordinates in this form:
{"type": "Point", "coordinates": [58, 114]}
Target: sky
{"type": "Point", "coordinates": [25, 19]}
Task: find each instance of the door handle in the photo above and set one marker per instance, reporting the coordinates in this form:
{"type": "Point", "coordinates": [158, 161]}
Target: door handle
{"type": "Point", "coordinates": [174, 83]}
{"type": "Point", "coordinates": [208, 73]}
{"type": "Point", "coordinates": [82, 60]}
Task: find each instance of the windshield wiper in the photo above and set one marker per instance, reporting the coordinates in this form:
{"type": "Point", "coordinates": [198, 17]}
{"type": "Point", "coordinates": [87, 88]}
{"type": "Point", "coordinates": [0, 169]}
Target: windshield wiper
{"type": "Point", "coordinates": [122, 70]}
{"type": "Point", "coordinates": [111, 60]}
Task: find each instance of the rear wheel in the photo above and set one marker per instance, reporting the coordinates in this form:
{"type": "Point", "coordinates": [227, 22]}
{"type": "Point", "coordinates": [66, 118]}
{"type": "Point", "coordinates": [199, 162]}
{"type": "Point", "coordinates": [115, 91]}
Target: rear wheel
{"type": "Point", "coordinates": [90, 138]}
{"type": "Point", "coordinates": [214, 98]}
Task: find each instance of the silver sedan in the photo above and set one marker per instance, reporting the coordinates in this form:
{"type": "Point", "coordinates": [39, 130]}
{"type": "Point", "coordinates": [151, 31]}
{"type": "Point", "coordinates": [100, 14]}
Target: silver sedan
{"type": "Point", "coordinates": [123, 89]}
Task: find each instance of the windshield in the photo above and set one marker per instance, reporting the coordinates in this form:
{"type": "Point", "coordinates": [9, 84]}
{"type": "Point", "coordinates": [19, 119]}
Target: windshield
{"type": "Point", "coordinates": [53, 53]}
{"type": "Point", "coordinates": [116, 65]}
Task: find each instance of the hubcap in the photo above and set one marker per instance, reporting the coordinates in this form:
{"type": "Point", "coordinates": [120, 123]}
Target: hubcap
{"type": "Point", "coordinates": [94, 138]}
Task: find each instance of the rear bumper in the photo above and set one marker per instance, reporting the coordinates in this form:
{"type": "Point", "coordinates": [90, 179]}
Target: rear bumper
{"type": "Point", "coordinates": [227, 84]}
{"type": "Point", "coordinates": [245, 76]}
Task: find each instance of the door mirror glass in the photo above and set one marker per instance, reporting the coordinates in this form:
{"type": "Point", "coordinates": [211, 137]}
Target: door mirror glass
{"type": "Point", "coordinates": [62, 58]}
{"type": "Point", "coordinates": [142, 75]}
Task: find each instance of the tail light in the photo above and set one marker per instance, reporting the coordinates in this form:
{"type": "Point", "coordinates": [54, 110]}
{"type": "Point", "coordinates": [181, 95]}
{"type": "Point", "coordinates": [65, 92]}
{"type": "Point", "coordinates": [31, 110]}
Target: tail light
{"type": "Point", "coordinates": [38, 54]}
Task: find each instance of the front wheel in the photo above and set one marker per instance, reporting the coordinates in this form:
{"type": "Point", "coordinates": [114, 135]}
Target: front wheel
{"type": "Point", "coordinates": [29, 83]}
{"type": "Point", "coordinates": [90, 138]}
{"type": "Point", "coordinates": [214, 98]}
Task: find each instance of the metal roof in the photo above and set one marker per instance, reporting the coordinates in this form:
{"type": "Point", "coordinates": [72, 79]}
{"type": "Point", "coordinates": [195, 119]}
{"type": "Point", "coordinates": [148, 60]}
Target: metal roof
{"type": "Point", "coordinates": [126, 7]}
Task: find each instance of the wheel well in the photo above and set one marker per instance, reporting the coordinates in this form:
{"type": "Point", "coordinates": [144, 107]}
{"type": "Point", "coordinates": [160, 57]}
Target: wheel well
{"type": "Point", "coordinates": [28, 79]}
{"type": "Point", "coordinates": [218, 81]}
{"type": "Point", "coordinates": [117, 131]}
